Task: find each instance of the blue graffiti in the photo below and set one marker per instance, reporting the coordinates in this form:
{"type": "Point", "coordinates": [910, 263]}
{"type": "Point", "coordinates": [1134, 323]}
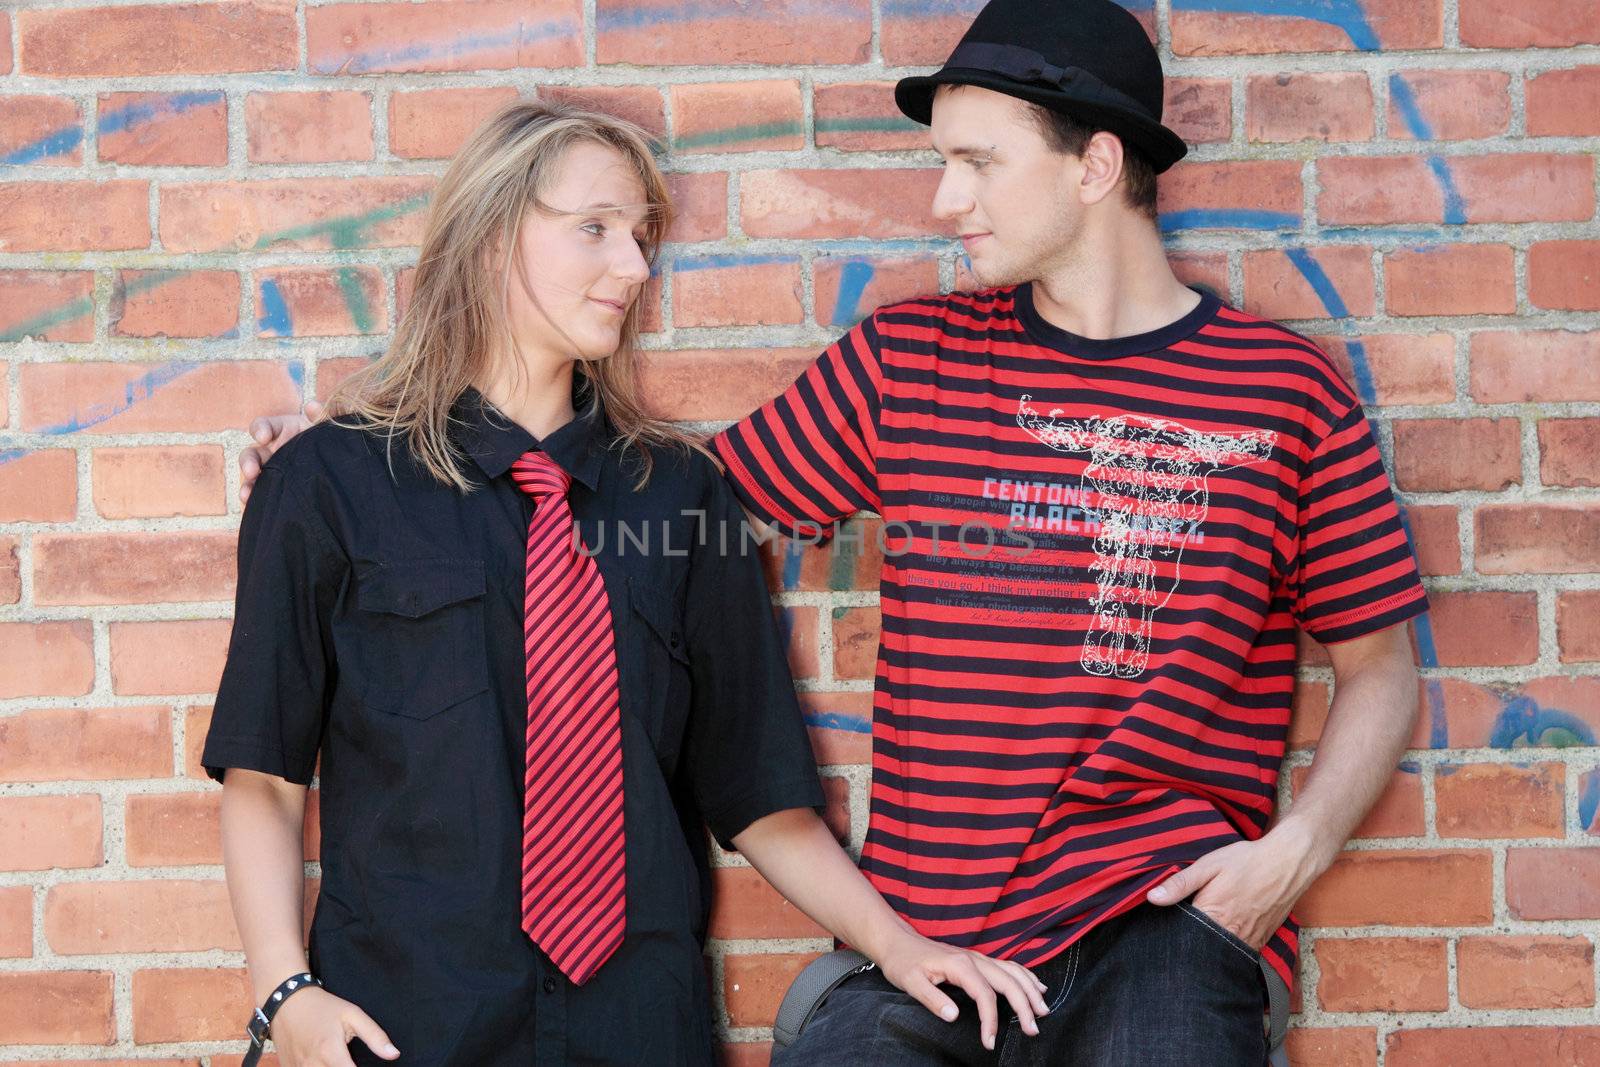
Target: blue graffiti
{"type": "Point", "coordinates": [378, 59]}
{"type": "Point", "coordinates": [275, 317]}
{"type": "Point", "coordinates": [1525, 720]}
{"type": "Point", "coordinates": [688, 263]}
{"type": "Point", "coordinates": [140, 388]}
{"type": "Point", "coordinates": [1228, 219]}
{"type": "Point", "coordinates": [611, 17]}
{"type": "Point", "coordinates": [1588, 800]}
{"type": "Point", "coordinates": [853, 279]}
{"type": "Point", "coordinates": [835, 720]}
{"type": "Point", "coordinates": [1347, 15]}
{"type": "Point", "coordinates": [1455, 211]}
{"type": "Point", "coordinates": [1328, 293]}
{"type": "Point", "coordinates": [794, 555]}
{"type": "Point", "coordinates": [62, 141]}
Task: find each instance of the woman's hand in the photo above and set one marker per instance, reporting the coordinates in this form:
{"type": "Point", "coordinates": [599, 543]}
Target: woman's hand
{"type": "Point", "coordinates": [313, 1028]}
{"type": "Point", "coordinates": [918, 965]}
{"type": "Point", "coordinates": [270, 433]}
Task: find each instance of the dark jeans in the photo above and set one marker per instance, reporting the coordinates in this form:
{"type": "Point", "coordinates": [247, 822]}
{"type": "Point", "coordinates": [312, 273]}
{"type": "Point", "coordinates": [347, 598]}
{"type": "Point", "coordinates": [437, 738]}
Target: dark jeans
{"type": "Point", "coordinates": [1154, 987]}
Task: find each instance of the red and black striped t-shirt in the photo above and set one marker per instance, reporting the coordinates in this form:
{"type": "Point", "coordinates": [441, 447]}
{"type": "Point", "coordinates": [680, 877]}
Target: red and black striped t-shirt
{"type": "Point", "coordinates": [1097, 554]}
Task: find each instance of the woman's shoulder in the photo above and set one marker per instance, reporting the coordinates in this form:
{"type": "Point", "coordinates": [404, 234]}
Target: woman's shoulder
{"type": "Point", "coordinates": [678, 473]}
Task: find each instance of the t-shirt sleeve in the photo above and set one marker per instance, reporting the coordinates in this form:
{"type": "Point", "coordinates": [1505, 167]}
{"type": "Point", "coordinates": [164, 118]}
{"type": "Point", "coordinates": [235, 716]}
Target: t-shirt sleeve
{"type": "Point", "coordinates": [276, 683]}
{"type": "Point", "coordinates": [747, 750]}
{"type": "Point", "coordinates": [808, 457]}
{"type": "Point", "coordinates": [1356, 573]}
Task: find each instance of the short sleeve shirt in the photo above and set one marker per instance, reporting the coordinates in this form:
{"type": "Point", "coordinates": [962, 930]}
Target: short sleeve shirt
{"type": "Point", "coordinates": [379, 626]}
{"type": "Point", "coordinates": [1097, 554]}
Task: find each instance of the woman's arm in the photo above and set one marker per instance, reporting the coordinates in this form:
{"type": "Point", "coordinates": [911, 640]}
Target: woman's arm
{"type": "Point", "coordinates": [262, 819]}
{"type": "Point", "coordinates": [796, 852]}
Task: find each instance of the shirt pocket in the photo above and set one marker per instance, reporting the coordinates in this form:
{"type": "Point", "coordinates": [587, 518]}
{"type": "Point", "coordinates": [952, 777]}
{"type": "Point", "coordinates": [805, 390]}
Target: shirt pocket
{"type": "Point", "coordinates": [421, 641]}
{"type": "Point", "coordinates": [663, 692]}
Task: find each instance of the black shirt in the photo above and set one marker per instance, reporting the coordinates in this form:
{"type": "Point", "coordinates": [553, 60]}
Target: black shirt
{"type": "Point", "coordinates": [379, 622]}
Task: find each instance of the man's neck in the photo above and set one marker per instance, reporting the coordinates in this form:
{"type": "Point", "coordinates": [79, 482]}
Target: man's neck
{"type": "Point", "coordinates": [1117, 283]}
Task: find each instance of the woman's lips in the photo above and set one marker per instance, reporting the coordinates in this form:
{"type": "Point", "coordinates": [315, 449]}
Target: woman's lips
{"type": "Point", "coordinates": [611, 304]}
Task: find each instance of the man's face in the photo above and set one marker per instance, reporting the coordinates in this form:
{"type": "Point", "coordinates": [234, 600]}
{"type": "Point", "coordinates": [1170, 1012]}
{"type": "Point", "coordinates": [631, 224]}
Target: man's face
{"type": "Point", "coordinates": [1012, 198]}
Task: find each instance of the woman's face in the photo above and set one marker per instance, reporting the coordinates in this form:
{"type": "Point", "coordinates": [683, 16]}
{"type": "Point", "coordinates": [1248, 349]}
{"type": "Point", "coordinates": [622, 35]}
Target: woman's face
{"type": "Point", "coordinates": [583, 261]}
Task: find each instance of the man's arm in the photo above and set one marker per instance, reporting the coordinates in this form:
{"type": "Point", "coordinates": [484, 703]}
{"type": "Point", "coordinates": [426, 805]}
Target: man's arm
{"type": "Point", "coordinates": [270, 432]}
{"type": "Point", "coordinates": [1250, 886]}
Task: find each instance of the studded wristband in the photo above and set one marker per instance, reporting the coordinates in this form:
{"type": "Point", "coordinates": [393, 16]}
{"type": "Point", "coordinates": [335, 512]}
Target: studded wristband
{"type": "Point", "coordinates": [260, 1025]}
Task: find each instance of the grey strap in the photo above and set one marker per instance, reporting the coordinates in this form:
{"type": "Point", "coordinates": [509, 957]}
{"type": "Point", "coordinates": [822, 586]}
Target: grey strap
{"type": "Point", "coordinates": [1277, 1007]}
{"type": "Point", "coordinates": [821, 977]}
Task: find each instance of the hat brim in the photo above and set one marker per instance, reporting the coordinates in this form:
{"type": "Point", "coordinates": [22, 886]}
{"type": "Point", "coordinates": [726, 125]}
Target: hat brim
{"type": "Point", "coordinates": [1160, 145]}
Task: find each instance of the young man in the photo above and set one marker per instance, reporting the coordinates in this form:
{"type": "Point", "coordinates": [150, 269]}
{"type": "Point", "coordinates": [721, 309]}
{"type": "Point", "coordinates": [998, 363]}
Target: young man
{"type": "Point", "coordinates": [1109, 501]}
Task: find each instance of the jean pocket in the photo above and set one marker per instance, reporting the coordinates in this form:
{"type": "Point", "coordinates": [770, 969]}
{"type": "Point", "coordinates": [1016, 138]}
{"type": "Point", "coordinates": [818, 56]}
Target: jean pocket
{"type": "Point", "coordinates": [421, 635]}
{"type": "Point", "coordinates": [1232, 939]}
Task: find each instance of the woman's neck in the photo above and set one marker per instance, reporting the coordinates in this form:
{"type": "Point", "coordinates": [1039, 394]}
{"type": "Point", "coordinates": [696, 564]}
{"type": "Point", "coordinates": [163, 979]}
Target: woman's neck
{"type": "Point", "coordinates": [542, 404]}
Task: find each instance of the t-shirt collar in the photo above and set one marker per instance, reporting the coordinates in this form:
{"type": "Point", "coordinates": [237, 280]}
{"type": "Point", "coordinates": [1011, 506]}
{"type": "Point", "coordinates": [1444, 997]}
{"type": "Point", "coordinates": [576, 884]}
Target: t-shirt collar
{"type": "Point", "coordinates": [1054, 337]}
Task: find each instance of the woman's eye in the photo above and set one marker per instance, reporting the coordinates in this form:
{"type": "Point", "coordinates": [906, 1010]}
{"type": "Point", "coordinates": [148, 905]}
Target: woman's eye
{"type": "Point", "coordinates": [596, 228]}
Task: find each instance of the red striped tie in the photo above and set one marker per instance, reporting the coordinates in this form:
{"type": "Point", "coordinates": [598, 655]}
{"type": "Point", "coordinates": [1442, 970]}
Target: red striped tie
{"type": "Point", "coordinates": [573, 875]}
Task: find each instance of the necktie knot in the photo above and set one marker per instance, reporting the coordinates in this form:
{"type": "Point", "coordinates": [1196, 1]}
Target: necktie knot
{"type": "Point", "coordinates": [536, 474]}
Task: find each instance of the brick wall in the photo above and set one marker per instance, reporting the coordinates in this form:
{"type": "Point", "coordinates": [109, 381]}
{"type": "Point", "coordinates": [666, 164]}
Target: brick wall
{"type": "Point", "coordinates": [207, 211]}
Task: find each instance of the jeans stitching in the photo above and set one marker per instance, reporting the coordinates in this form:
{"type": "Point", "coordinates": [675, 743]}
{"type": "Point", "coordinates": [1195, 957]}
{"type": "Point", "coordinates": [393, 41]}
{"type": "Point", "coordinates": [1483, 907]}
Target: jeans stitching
{"type": "Point", "coordinates": [1072, 976]}
{"type": "Point", "coordinates": [1200, 917]}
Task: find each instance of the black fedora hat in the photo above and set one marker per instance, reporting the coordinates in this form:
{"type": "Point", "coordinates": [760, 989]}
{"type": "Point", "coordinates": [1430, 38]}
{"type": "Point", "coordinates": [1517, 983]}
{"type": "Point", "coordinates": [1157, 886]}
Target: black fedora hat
{"type": "Point", "coordinates": [1089, 59]}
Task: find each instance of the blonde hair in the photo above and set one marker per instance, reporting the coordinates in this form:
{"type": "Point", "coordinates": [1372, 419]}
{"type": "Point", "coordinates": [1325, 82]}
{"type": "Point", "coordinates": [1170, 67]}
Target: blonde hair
{"type": "Point", "coordinates": [443, 342]}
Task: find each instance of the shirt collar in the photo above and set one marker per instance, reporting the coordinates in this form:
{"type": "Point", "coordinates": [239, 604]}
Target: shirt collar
{"type": "Point", "coordinates": [495, 442]}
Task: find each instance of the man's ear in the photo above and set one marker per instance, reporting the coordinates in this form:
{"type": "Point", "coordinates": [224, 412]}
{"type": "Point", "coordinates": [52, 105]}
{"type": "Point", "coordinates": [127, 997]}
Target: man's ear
{"type": "Point", "coordinates": [1102, 166]}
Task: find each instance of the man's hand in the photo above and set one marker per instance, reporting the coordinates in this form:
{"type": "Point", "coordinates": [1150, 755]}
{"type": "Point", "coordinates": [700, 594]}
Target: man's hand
{"type": "Point", "coordinates": [313, 1028]}
{"type": "Point", "coordinates": [918, 965]}
{"type": "Point", "coordinates": [270, 432]}
{"type": "Point", "coordinates": [1248, 886]}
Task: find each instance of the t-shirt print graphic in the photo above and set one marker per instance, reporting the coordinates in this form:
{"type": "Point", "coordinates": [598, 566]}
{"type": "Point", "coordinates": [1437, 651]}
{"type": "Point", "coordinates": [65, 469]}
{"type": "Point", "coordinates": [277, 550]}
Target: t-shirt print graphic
{"type": "Point", "coordinates": [1149, 476]}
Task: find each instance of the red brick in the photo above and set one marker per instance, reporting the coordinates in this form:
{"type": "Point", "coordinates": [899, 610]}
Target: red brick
{"type": "Point", "coordinates": [152, 398]}
{"type": "Point", "coordinates": [1578, 624]}
{"type": "Point", "coordinates": [855, 641]}
{"type": "Point", "coordinates": [1394, 24]}
{"type": "Point", "coordinates": [47, 305]}
{"type": "Point", "coordinates": [1457, 105]}
{"type": "Point", "coordinates": [168, 658]}
{"type": "Point", "coordinates": [1520, 366]}
{"type": "Point", "coordinates": [435, 123]}
{"type": "Point", "coordinates": [1417, 887]}
{"type": "Point", "coordinates": [158, 482]}
{"type": "Point", "coordinates": [1308, 714]}
{"type": "Point", "coordinates": [175, 303]}
{"type": "Point", "coordinates": [133, 568]}
{"type": "Point", "coordinates": [1569, 452]}
{"type": "Point", "coordinates": [1550, 1045]}
{"type": "Point", "coordinates": [157, 915]}
{"type": "Point", "coordinates": [155, 39]}
{"type": "Point", "coordinates": [16, 921]}
{"type": "Point", "coordinates": [863, 117]}
{"type": "Point", "coordinates": [1564, 275]}
{"type": "Point", "coordinates": [187, 129]}
{"type": "Point", "coordinates": [39, 486]}
{"type": "Point", "coordinates": [41, 131]}
{"type": "Point", "coordinates": [1525, 972]}
{"type": "Point", "coordinates": [746, 1054]}
{"type": "Point", "coordinates": [1264, 185]}
{"type": "Point", "coordinates": [1500, 188]}
{"type": "Point", "coordinates": [746, 906]}
{"type": "Point", "coordinates": [839, 203]}
{"type": "Point", "coordinates": [1487, 800]}
{"type": "Point", "coordinates": [1344, 1046]}
{"type": "Point", "coordinates": [100, 216]}
{"type": "Point", "coordinates": [320, 302]}
{"type": "Point", "coordinates": [196, 721]}
{"type": "Point", "coordinates": [639, 104]}
{"type": "Point", "coordinates": [294, 213]}
{"type": "Point", "coordinates": [1199, 268]}
{"type": "Point", "coordinates": [1538, 539]}
{"type": "Point", "coordinates": [464, 35]}
{"type": "Point", "coordinates": [800, 623]}
{"type": "Point", "coordinates": [53, 744]}
{"type": "Point", "coordinates": [848, 288]}
{"type": "Point", "coordinates": [173, 829]}
{"type": "Point", "coordinates": [753, 985]}
{"type": "Point", "coordinates": [189, 1004]}
{"type": "Point", "coordinates": [1564, 103]}
{"type": "Point", "coordinates": [1199, 110]}
{"type": "Point", "coordinates": [40, 833]}
{"type": "Point", "coordinates": [1405, 368]}
{"type": "Point", "coordinates": [1463, 638]}
{"type": "Point", "coordinates": [1398, 809]}
{"type": "Point", "coordinates": [745, 116]}
{"type": "Point", "coordinates": [1535, 24]}
{"type": "Point", "coordinates": [1510, 716]}
{"type": "Point", "coordinates": [1553, 883]}
{"type": "Point", "coordinates": [1436, 537]}
{"type": "Point", "coordinates": [700, 206]}
{"type": "Point", "coordinates": [1382, 974]}
{"type": "Point", "coordinates": [46, 659]}
{"type": "Point", "coordinates": [1441, 455]}
{"type": "Point", "coordinates": [735, 290]}
{"type": "Point", "coordinates": [1276, 289]}
{"type": "Point", "coordinates": [836, 791]}
{"type": "Point", "coordinates": [57, 1007]}
{"type": "Point", "coordinates": [1308, 107]}
{"type": "Point", "coordinates": [5, 42]}
{"type": "Point", "coordinates": [301, 127]}
{"type": "Point", "coordinates": [1451, 280]}
{"type": "Point", "coordinates": [840, 725]}
{"type": "Point", "coordinates": [708, 385]}
{"type": "Point", "coordinates": [331, 373]}
{"type": "Point", "coordinates": [779, 32]}
{"type": "Point", "coordinates": [10, 571]}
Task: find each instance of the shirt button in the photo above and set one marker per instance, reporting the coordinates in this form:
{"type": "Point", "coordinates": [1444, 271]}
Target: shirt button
{"type": "Point", "coordinates": [674, 640]}
{"type": "Point", "coordinates": [549, 985]}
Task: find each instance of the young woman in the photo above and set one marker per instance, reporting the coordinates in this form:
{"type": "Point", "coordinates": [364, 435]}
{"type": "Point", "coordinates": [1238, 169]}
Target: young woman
{"type": "Point", "coordinates": [516, 623]}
